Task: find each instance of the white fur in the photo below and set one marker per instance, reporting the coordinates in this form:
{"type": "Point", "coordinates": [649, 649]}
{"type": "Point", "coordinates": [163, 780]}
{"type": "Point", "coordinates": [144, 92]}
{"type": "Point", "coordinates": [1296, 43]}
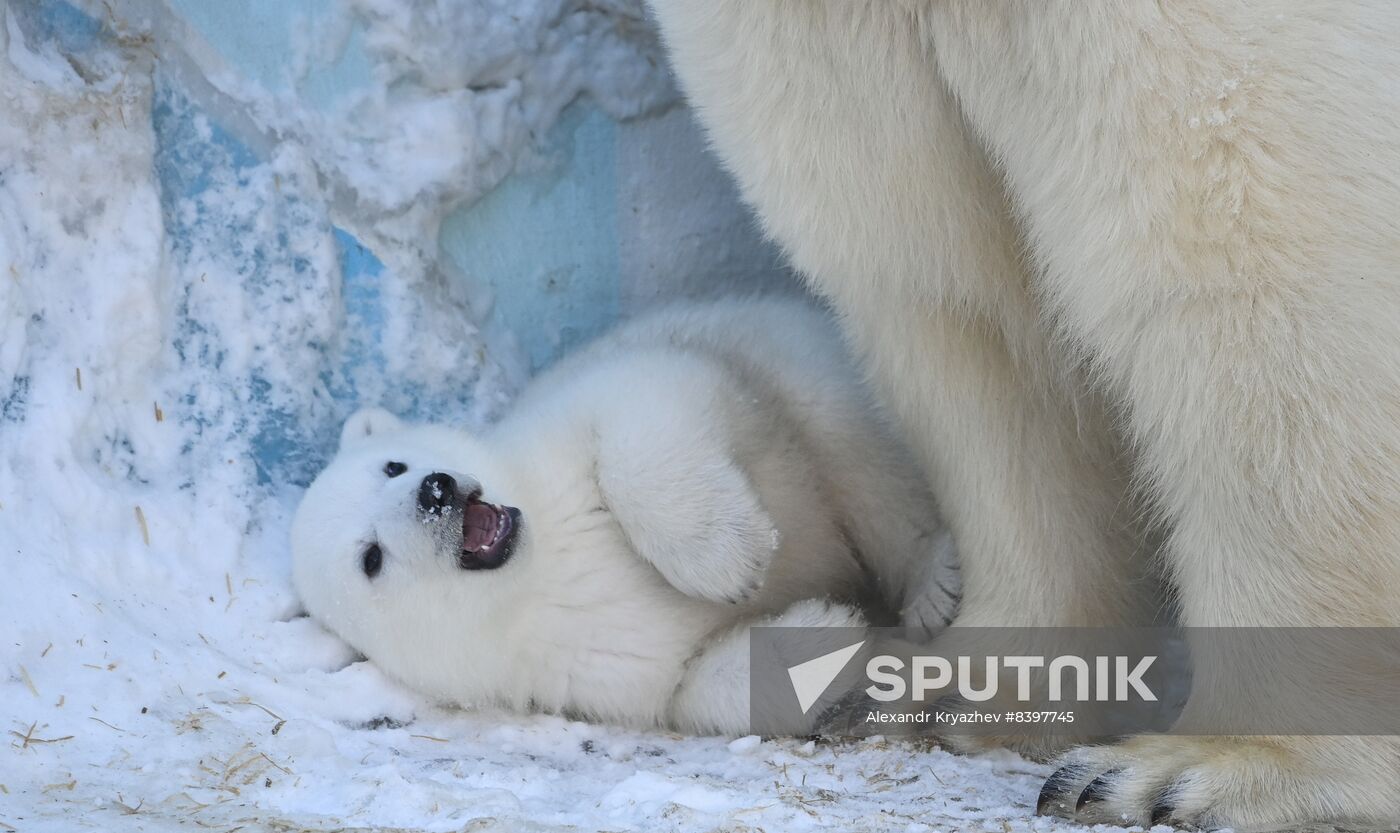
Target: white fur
{"type": "Point", "coordinates": [697, 471]}
{"type": "Point", "coordinates": [1048, 223]}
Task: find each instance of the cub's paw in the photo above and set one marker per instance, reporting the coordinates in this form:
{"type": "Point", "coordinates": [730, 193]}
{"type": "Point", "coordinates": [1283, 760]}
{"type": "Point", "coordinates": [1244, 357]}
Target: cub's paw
{"type": "Point", "coordinates": [1256, 783]}
{"type": "Point", "coordinates": [816, 613]}
{"type": "Point", "coordinates": [702, 526]}
{"type": "Point", "coordinates": [729, 566]}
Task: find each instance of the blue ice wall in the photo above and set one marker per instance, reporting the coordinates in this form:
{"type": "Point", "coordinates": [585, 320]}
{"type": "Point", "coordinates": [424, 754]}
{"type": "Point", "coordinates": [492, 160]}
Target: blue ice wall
{"type": "Point", "coordinates": [609, 218]}
{"type": "Point", "coordinates": [563, 251]}
{"type": "Point", "coordinates": [551, 240]}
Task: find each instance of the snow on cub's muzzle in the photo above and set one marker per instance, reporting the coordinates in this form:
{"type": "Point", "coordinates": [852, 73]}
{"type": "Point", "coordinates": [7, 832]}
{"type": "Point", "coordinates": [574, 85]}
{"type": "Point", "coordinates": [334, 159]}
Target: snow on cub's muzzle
{"type": "Point", "coordinates": [488, 529]}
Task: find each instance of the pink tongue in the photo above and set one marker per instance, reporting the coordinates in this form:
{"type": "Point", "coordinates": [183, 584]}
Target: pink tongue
{"type": "Point", "coordinates": [478, 527]}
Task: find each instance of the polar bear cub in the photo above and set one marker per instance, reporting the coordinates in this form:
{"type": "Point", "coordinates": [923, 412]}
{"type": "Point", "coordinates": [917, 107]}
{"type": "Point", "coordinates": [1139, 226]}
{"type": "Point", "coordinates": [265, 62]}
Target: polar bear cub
{"type": "Point", "coordinates": [602, 550]}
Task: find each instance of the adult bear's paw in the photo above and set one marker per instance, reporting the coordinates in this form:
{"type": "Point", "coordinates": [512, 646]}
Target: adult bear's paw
{"type": "Point", "coordinates": [1253, 783]}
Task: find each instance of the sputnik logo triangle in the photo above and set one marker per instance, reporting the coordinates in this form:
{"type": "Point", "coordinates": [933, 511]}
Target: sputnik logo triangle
{"type": "Point", "coordinates": [811, 678]}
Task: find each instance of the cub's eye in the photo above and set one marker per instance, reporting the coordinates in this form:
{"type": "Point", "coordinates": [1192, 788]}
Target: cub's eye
{"type": "Point", "coordinates": [372, 560]}
{"type": "Point", "coordinates": [395, 469]}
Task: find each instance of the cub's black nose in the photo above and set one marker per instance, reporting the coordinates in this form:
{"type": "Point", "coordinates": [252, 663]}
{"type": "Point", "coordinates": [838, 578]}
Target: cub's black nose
{"type": "Point", "coordinates": [436, 492]}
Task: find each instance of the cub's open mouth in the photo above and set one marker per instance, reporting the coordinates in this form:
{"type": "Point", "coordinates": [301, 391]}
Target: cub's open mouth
{"type": "Point", "coordinates": [488, 534]}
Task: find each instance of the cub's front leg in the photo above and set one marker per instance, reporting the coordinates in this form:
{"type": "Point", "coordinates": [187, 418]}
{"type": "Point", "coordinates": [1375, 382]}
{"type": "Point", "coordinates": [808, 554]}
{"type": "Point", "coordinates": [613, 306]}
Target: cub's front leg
{"type": "Point", "coordinates": [668, 474]}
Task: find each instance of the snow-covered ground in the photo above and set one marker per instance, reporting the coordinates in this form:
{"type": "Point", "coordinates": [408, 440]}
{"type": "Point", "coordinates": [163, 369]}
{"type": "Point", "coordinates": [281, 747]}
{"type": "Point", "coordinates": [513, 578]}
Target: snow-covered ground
{"type": "Point", "coordinates": [183, 324]}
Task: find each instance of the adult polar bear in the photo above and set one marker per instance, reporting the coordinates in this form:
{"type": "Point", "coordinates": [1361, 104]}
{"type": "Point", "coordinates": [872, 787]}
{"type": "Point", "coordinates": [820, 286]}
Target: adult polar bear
{"type": "Point", "coordinates": [1029, 213]}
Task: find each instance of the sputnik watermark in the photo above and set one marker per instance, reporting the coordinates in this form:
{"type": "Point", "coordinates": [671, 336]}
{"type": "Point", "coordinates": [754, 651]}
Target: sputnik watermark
{"type": "Point", "coordinates": [1110, 680]}
{"type": "Point", "coordinates": [1075, 682]}
{"type": "Point", "coordinates": [1095, 679]}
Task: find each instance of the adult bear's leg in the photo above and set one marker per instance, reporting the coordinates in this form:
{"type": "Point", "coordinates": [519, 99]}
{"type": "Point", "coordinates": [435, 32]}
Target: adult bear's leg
{"type": "Point", "coordinates": [1211, 189]}
{"type": "Point", "coordinates": [842, 136]}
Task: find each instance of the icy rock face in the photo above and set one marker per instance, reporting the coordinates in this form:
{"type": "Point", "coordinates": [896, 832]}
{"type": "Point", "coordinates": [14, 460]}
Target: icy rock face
{"type": "Point", "coordinates": [474, 83]}
{"type": "Point", "coordinates": [86, 293]}
{"type": "Point", "coordinates": [182, 330]}
{"type": "Point", "coordinates": [460, 95]}
{"type": "Point", "coordinates": [172, 333]}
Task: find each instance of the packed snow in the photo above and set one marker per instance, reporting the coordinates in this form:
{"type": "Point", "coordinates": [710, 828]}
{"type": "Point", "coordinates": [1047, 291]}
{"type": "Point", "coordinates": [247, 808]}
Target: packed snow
{"type": "Point", "coordinates": [183, 325]}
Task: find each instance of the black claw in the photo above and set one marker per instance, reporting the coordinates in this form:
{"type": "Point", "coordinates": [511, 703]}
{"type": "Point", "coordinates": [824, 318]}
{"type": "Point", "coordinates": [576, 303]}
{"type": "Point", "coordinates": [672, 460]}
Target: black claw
{"type": "Point", "coordinates": [1052, 795]}
{"type": "Point", "coordinates": [1096, 791]}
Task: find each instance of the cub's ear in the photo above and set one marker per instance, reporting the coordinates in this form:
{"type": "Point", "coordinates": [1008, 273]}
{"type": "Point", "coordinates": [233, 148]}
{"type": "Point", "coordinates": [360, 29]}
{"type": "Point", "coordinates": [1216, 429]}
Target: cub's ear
{"type": "Point", "coordinates": [367, 422]}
